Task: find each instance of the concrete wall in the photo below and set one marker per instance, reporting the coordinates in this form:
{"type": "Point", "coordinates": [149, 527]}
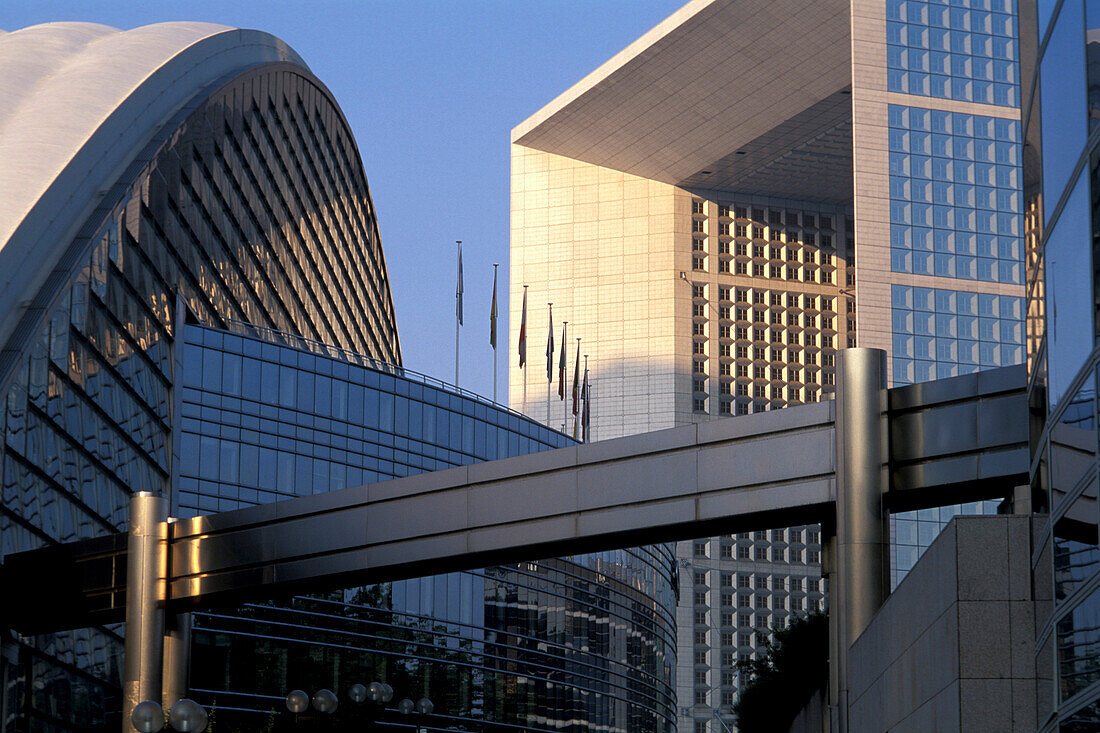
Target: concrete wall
{"type": "Point", "coordinates": [953, 647]}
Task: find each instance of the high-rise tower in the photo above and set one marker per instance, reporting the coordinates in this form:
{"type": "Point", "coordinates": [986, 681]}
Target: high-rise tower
{"type": "Point", "coordinates": [745, 189]}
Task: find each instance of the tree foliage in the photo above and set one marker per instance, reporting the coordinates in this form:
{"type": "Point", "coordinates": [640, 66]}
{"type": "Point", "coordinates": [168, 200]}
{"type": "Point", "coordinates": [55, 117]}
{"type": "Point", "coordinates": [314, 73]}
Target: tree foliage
{"type": "Point", "coordinates": [775, 688]}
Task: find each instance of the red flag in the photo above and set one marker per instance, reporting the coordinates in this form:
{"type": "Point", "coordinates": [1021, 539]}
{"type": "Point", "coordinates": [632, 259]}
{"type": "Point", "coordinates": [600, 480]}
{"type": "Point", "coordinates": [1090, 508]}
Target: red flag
{"type": "Point", "coordinates": [523, 332]}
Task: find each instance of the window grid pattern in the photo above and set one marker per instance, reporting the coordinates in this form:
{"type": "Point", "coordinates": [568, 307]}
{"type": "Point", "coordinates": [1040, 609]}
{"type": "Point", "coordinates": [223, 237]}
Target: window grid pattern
{"type": "Point", "coordinates": [944, 333]}
{"type": "Point", "coordinates": [262, 421]}
{"type": "Point", "coordinates": [233, 213]}
{"type": "Point", "coordinates": [911, 533]}
{"type": "Point", "coordinates": [955, 199]}
{"type": "Point", "coordinates": [967, 50]}
{"type": "Point", "coordinates": [745, 586]}
{"type": "Point", "coordinates": [774, 299]}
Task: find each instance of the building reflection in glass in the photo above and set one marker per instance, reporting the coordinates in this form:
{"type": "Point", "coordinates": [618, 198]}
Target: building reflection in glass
{"type": "Point", "coordinates": [586, 641]}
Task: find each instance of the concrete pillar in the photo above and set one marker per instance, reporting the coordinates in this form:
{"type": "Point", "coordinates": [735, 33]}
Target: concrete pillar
{"type": "Point", "coordinates": [177, 658]}
{"type": "Point", "coordinates": [146, 571]}
{"type": "Point", "coordinates": [862, 572]}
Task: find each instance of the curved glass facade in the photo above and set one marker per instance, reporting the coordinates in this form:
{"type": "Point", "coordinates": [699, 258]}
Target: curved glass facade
{"type": "Point", "coordinates": [251, 207]}
{"type": "Point", "coordinates": [1060, 45]}
{"type": "Point", "coordinates": [585, 643]}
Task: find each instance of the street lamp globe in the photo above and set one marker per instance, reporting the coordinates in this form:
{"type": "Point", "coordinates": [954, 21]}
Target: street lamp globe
{"type": "Point", "coordinates": [187, 716]}
{"type": "Point", "coordinates": [357, 693]}
{"type": "Point", "coordinates": [387, 692]}
{"type": "Point", "coordinates": [424, 706]}
{"type": "Point", "coordinates": [297, 701]}
{"type": "Point", "coordinates": [324, 701]}
{"type": "Point", "coordinates": [375, 691]}
{"type": "Point", "coordinates": [147, 717]}
{"type": "Point", "coordinates": [405, 706]}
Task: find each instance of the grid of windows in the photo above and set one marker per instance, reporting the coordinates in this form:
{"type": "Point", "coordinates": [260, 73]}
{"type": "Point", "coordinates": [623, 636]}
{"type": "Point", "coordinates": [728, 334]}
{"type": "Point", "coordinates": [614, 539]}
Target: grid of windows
{"type": "Point", "coordinates": [963, 49]}
{"type": "Point", "coordinates": [785, 262]}
{"type": "Point", "coordinates": [911, 533]}
{"type": "Point", "coordinates": [234, 214]}
{"type": "Point", "coordinates": [745, 600]}
{"type": "Point", "coordinates": [944, 333]}
{"type": "Point", "coordinates": [263, 421]}
{"type": "Point", "coordinates": [955, 200]}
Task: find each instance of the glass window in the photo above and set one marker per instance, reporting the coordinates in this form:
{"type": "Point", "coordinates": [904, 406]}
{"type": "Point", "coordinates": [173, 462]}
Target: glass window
{"type": "Point", "coordinates": [1076, 555]}
{"type": "Point", "coordinates": [1062, 87]}
{"type": "Point", "coordinates": [1079, 647]}
{"type": "Point", "coordinates": [1068, 245]}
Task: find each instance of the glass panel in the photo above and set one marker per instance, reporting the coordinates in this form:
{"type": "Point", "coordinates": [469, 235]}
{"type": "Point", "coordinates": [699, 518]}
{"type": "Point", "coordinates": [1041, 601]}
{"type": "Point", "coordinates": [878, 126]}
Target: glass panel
{"type": "Point", "coordinates": [1064, 107]}
{"type": "Point", "coordinates": [1073, 442]}
{"type": "Point", "coordinates": [1076, 555]}
{"type": "Point", "coordinates": [1079, 647]}
{"type": "Point", "coordinates": [1067, 248]}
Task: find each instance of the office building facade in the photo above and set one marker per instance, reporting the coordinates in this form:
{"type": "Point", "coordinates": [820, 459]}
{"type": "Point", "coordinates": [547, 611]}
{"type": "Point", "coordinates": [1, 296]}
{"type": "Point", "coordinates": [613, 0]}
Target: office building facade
{"type": "Point", "coordinates": [715, 220]}
{"type": "Point", "coordinates": [204, 170]}
{"type": "Point", "coordinates": [587, 641]}
{"type": "Point", "coordinates": [1059, 43]}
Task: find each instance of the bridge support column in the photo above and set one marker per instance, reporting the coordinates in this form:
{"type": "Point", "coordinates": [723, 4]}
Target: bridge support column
{"type": "Point", "coordinates": [861, 577]}
{"type": "Point", "coordinates": [146, 573]}
{"type": "Point", "coordinates": [177, 658]}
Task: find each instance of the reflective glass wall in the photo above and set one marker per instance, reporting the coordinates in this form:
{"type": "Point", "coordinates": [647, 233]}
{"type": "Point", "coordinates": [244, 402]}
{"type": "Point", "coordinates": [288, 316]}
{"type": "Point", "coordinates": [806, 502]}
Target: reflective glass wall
{"type": "Point", "coordinates": [585, 643]}
{"type": "Point", "coordinates": [1060, 43]}
{"type": "Point", "coordinates": [956, 225]}
{"type": "Point", "coordinates": [251, 205]}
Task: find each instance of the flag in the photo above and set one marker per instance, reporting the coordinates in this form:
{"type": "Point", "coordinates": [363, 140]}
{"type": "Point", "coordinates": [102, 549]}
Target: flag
{"type": "Point", "coordinates": [576, 384]}
{"type": "Point", "coordinates": [493, 314]}
{"type": "Point", "coordinates": [458, 289]}
{"type": "Point", "coordinates": [584, 408]}
{"type": "Point", "coordinates": [523, 332]}
{"type": "Point", "coordinates": [550, 348]}
{"type": "Point", "coordinates": [561, 364]}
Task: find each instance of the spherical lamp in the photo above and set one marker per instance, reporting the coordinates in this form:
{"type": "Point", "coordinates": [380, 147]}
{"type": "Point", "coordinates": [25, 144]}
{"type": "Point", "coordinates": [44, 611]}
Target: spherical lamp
{"type": "Point", "coordinates": [424, 706]}
{"type": "Point", "coordinates": [187, 716]}
{"type": "Point", "coordinates": [357, 693]}
{"type": "Point", "coordinates": [406, 706]}
{"type": "Point", "coordinates": [147, 717]}
{"type": "Point", "coordinates": [374, 692]}
{"type": "Point", "coordinates": [387, 692]}
{"type": "Point", "coordinates": [297, 701]}
{"type": "Point", "coordinates": [324, 701]}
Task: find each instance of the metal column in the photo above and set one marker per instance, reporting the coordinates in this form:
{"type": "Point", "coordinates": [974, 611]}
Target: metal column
{"type": "Point", "coordinates": [861, 579]}
{"type": "Point", "coordinates": [177, 658]}
{"type": "Point", "coordinates": [146, 570]}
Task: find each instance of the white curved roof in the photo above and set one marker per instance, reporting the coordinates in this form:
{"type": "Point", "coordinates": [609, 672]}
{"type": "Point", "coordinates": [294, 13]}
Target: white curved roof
{"type": "Point", "coordinates": [78, 101]}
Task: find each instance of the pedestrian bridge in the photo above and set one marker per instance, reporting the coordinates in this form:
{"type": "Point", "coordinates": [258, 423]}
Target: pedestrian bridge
{"type": "Point", "coordinates": [845, 464]}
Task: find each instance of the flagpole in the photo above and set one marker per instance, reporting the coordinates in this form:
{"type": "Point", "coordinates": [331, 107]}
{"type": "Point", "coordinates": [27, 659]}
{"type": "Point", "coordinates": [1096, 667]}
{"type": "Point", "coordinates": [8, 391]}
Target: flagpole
{"type": "Point", "coordinates": [550, 364]}
{"type": "Point", "coordinates": [458, 306]}
{"type": "Point", "coordinates": [523, 366]}
{"type": "Point", "coordinates": [495, 266]}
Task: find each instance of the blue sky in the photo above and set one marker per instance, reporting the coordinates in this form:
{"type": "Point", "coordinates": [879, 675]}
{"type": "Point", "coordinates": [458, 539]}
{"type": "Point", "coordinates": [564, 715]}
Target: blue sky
{"type": "Point", "coordinates": [432, 90]}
